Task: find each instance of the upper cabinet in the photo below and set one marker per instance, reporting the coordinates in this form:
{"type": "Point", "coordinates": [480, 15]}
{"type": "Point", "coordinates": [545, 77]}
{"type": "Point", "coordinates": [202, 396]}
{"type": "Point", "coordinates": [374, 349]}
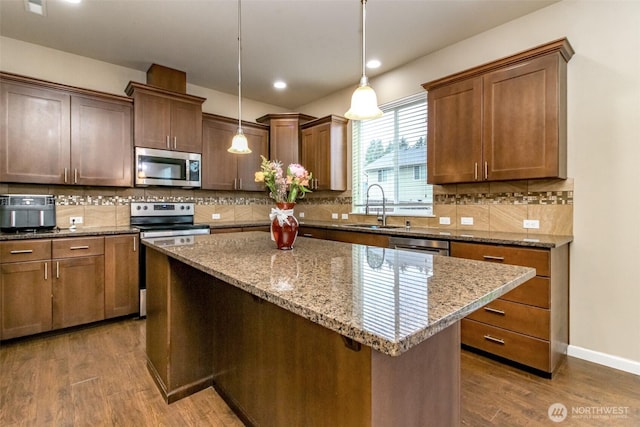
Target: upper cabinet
{"type": "Point", "coordinates": [501, 121]}
{"type": "Point", "coordinates": [165, 119]}
{"type": "Point", "coordinates": [284, 135]}
{"type": "Point", "coordinates": [55, 134]}
{"type": "Point", "coordinates": [324, 152]}
{"type": "Point", "coordinates": [222, 170]}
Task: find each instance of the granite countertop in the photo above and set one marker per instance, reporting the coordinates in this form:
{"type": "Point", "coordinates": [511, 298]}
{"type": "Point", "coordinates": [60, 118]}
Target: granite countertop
{"type": "Point", "coordinates": [493, 237]}
{"type": "Point", "coordinates": [388, 299]}
{"type": "Point", "coordinates": [61, 233]}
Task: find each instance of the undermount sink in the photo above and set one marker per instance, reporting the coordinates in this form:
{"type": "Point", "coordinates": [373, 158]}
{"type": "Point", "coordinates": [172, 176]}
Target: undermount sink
{"type": "Point", "coordinates": [373, 226]}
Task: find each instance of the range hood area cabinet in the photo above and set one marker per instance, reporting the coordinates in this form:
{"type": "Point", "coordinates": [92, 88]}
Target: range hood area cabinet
{"type": "Point", "coordinates": [284, 135]}
{"type": "Point", "coordinates": [222, 170]}
{"type": "Point", "coordinates": [324, 152]}
{"type": "Point", "coordinates": [57, 134]}
{"type": "Point", "coordinates": [506, 120]}
{"type": "Point", "coordinates": [166, 120]}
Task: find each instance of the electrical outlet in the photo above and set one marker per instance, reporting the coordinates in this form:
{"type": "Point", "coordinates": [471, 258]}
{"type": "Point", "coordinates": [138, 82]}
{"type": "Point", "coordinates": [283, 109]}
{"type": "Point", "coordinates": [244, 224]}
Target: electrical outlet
{"type": "Point", "coordinates": [215, 216]}
{"type": "Point", "coordinates": [75, 220]}
{"type": "Point", "coordinates": [531, 223]}
{"type": "Point", "coordinates": [345, 216]}
{"type": "Point", "coordinates": [466, 220]}
{"type": "Point", "coordinates": [334, 216]}
{"type": "Point", "coordinates": [445, 220]}
{"type": "Point", "coordinates": [301, 214]}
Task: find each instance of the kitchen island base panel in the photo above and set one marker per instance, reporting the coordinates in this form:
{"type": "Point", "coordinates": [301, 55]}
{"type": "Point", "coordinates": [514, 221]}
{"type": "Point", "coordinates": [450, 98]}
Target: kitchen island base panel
{"type": "Point", "coordinates": [178, 338]}
{"type": "Point", "coordinates": [276, 368]}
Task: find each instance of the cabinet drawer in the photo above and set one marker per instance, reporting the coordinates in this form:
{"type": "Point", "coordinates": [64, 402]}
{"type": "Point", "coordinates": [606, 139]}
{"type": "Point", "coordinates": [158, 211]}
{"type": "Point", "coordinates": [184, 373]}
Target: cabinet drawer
{"type": "Point", "coordinates": [536, 258]}
{"type": "Point", "coordinates": [525, 319]}
{"type": "Point", "coordinates": [69, 248]}
{"type": "Point", "coordinates": [510, 345]}
{"type": "Point", "coordinates": [25, 250]}
{"type": "Point", "coordinates": [316, 233]}
{"type": "Point", "coordinates": [536, 291]}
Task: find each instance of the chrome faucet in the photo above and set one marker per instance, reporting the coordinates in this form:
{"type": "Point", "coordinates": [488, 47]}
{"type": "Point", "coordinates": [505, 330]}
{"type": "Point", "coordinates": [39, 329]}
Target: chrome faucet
{"type": "Point", "coordinates": [384, 204]}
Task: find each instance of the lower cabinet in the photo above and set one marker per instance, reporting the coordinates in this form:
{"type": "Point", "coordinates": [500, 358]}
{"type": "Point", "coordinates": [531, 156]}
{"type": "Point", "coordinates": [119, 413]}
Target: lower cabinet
{"type": "Point", "coordinates": [121, 275]}
{"type": "Point", "coordinates": [344, 236]}
{"type": "Point", "coordinates": [48, 284]}
{"type": "Point", "coordinates": [78, 284]}
{"type": "Point", "coordinates": [78, 291]}
{"type": "Point", "coordinates": [25, 288]}
{"type": "Point", "coordinates": [530, 324]}
{"type": "Point", "coordinates": [25, 298]}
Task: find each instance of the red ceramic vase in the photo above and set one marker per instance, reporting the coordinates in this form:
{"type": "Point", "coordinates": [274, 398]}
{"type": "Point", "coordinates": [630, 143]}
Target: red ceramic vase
{"type": "Point", "coordinates": [284, 226]}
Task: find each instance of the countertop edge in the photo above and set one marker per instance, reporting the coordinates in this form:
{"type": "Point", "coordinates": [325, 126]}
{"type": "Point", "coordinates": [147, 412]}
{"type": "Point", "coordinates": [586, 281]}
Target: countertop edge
{"type": "Point", "coordinates": [66, 233]}
{"type": "Point", "coordinates": [545, 241]}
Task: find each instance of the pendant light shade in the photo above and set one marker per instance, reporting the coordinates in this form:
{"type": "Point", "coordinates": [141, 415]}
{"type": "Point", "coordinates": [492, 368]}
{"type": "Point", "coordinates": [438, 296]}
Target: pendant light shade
{"type": "Point", "coordinates": [364, 102]}
{"type": "Point", "coordinates": [239, 143]}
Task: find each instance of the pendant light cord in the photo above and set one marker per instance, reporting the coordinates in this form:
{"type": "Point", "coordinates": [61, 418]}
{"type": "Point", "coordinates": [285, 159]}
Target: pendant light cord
{"type": "Point", "coordinates": [239, 66]}
{"type": "Point", "coordinates": [363, 80]}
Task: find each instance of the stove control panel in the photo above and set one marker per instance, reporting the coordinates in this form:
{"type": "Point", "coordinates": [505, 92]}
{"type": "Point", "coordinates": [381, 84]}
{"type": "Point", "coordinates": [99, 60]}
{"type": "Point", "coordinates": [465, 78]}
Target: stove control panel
{"type": "Point", "coordinates": [161, 208]}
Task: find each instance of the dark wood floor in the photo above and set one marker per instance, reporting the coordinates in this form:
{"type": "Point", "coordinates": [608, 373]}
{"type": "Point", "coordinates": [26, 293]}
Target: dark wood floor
{"type": "Point", "coordinates": [97, 377]}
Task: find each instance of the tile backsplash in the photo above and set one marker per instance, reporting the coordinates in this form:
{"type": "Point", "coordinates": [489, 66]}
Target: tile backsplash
{"type": "Point", "coordinates": [499, 206]}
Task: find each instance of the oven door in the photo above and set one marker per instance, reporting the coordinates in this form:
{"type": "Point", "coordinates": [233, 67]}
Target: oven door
{"type": "Point", "coordinates": [167, 168]}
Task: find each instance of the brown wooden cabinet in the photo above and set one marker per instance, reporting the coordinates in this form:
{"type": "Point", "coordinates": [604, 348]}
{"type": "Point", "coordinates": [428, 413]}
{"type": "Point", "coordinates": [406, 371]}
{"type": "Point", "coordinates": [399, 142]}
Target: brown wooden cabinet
{"type": "Point", "coordinates": [101, 142]}
{"type": "Point", "coordinates": [56, 134]}
{"type": "Point", "coordinates": [78, 283]}
{"type": "Point", "coordinates": [166, 120]}
{"type": "Point", "coordinates": [530, 324]}
{"type": "Point", "coordinates": [121, 275]}
{"type": "Point", "coordinates": [324, 152]}
{"type": "Point", "coordinates": [25, 288]}
{"type": "Point", "coordinates": [501, 121]}
{"type": "Point", "coordinates": [364, 238]}
{"type": "Point", "coordinates": [284, 135]}
{"type": "Point", "coordinates": [52, 284]}
{"type": "Point", "coordinates": [222, 170]}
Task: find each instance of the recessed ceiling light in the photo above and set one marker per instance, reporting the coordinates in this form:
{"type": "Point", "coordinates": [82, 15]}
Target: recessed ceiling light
{"type": "Point", "coordinates": [73, 1]}
{"type": "Point", "coordinates": [38, 7]}
{"type": "Point", "coordinates": [279, 84]}
{"type": "Point", "coordinates": [373, 63]}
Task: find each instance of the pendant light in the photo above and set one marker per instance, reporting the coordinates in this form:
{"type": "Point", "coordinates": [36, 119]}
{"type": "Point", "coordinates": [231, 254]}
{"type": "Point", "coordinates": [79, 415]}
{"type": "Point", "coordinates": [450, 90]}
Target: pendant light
{"type": "Point", "coordinates": [364, 103]}
{"type": "Point", "coordinates": [239, 143]}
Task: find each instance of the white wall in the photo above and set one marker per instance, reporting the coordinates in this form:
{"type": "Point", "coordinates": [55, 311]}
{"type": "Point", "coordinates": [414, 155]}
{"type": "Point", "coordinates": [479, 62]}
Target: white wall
{"type": "Point", "coordinates": [604, 155]}
{"type": "Point", "coordinates": [53, 65]}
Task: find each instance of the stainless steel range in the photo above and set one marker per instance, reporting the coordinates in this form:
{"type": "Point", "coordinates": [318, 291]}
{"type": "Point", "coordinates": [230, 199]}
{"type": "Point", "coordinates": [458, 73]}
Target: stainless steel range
{"type": "Point", "coordinates": [165, 223]}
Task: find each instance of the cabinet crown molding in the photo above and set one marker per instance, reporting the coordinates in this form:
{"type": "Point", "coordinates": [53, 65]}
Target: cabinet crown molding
{"type": "Point", "coordinates": [560, 46]}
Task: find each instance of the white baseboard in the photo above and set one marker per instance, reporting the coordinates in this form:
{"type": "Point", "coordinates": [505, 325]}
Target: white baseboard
{"type": "Point", "coordinates": [609, 360]}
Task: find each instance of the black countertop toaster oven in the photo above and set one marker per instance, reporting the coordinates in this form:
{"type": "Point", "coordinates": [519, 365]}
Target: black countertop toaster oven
{"type": "Point", "coordinates": [26, 212]}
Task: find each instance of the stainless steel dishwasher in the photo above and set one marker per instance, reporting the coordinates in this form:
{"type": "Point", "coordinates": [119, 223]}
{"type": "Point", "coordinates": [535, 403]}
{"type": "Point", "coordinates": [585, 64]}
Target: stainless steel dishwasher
{"type": "Point", "coordinates": [436, 247]}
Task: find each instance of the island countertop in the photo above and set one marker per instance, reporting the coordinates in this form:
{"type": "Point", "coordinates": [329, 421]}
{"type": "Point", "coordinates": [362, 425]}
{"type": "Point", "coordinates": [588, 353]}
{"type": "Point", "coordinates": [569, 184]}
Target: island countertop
{"type": "Point", "coordinates": [390, 300]}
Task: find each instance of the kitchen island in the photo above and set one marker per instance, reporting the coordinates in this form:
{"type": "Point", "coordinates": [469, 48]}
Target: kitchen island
{"type": "Point", "coordinates": [329, 333]}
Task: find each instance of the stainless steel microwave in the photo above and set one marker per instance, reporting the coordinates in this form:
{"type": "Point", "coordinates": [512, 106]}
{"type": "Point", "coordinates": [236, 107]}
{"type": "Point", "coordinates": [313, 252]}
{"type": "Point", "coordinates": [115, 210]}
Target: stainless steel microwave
{"type": "Point", "coordinates": [168, 168]}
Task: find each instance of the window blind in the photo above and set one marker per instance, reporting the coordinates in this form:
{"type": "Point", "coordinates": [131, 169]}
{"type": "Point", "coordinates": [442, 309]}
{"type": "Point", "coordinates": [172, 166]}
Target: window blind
{"type": "Point", "coordinates": [392, 152]}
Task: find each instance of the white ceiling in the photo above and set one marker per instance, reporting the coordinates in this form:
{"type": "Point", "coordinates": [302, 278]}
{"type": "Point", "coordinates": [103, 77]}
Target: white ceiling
{"type": "Point", "coordinates": [314, 45]}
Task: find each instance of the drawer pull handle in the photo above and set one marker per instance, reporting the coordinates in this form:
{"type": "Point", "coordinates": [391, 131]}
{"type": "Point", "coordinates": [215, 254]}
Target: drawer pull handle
{"type": "Point", "coordinates": [493, 258]}
{"type": "Point", "coordinates": [307, 235]}
{"type": "Point", "coordinates": [74, 248]}
{"type": "Point", "coordinates": [46, 272]}
{"type": "Point", "coordinates": [22, 251]}
{"type": "Point", "coordinates": [492, 339]}
{"type": "Point", "coordinates": [494, 310]}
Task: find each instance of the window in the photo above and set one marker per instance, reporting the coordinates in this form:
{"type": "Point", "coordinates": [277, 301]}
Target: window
{"type": "Point", "coordinates": [392, 152]}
